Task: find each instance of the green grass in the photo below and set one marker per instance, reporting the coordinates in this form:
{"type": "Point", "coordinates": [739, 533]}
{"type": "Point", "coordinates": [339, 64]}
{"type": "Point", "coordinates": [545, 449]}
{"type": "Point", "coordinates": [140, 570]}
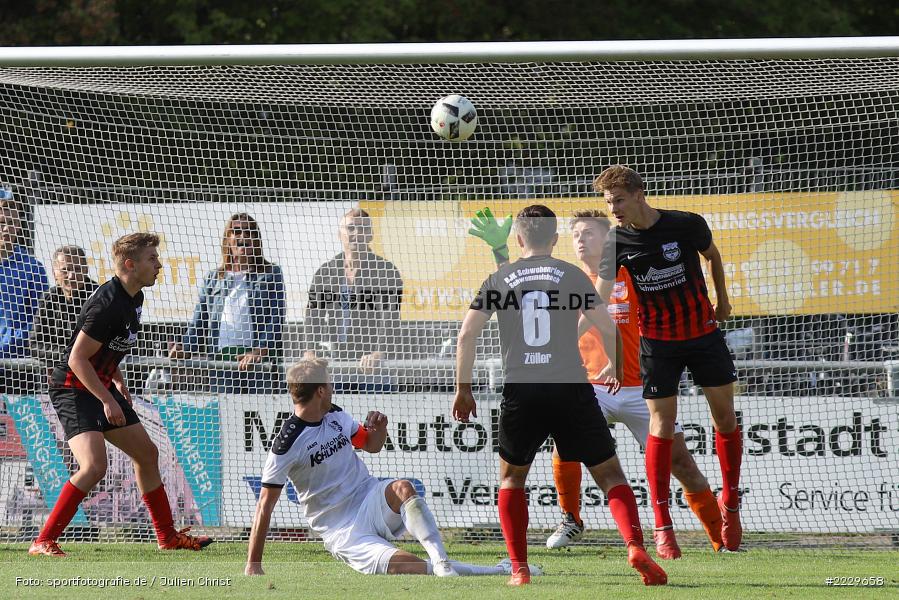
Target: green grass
{"type": "Point", "coordinates": [299, 571]}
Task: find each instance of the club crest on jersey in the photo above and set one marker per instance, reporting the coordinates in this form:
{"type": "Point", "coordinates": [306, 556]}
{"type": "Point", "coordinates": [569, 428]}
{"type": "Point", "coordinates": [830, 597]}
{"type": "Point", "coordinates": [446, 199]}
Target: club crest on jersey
{"type": "Point", "coordinates": [335, 426]}
{"type": "Point", "coordinates": [671, 251]}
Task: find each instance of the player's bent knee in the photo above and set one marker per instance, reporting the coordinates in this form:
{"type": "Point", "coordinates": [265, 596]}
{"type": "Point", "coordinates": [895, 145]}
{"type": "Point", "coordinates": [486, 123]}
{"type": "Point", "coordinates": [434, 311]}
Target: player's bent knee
{"type": "Point", "coordinates": [663, 428]}
{"type": "Point", "coordinates": [608, 474]}
{"type": "Point", "coordinates": [403, 563]}
{"type": "Point", "coordinates": [404, 489]}
{"type": "Point", "coordinates": [147, 457]}
{"type": "Point", "coordinates": [725, 420]}
{"type": "Point", "coordinates": [92, 473]}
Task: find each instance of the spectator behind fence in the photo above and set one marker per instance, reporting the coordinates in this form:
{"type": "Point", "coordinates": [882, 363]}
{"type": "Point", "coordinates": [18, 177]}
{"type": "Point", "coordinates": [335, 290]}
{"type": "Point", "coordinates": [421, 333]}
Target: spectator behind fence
{"type": "Point", "coordinates": [22, 280]}
{"type": "Point", "coordinates": [240, 314]}
{"type": "Point", "coordinates": [353, 311]}
{"type": "Point", "coordinates": [59, 308]}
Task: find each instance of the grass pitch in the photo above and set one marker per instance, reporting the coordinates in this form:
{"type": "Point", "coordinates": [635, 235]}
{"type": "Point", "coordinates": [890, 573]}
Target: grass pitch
{"type": "Point", "coordinates": [300, 571]}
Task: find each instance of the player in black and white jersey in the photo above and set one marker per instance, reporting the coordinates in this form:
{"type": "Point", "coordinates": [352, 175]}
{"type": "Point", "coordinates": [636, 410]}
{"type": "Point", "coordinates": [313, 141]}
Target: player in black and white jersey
{"type": "Point", "coordinates": [538, 300]}
{"type": "Point", "coordinates": [356, 514]}
{"type": "Point", "coordinates": [93, 403]}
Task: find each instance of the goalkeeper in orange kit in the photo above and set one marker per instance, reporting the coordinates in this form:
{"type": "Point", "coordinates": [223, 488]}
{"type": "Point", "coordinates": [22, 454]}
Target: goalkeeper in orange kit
{"type": "Point", "coordinates": [589, 230]}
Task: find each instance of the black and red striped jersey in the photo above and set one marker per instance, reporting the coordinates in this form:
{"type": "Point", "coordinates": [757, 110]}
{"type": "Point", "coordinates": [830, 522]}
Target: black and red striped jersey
{"type": "Point", "coordinates": [663, 262]}
{"type": "Point", "coordinates": [110, 316]}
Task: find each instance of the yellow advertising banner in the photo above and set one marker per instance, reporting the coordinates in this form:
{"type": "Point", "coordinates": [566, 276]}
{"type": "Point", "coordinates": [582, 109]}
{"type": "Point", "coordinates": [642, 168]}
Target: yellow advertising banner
{"type": "Point", "coordinates": [784, 253]}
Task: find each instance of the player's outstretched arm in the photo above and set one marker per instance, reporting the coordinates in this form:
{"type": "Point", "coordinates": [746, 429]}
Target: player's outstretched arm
{"type": "Point", "coordinates": [716, 267]}
{"type": "Point", "coordinates": [485, 226]}
{"type": "Point", "coordinates": [376, 426]}
{"type": "Point", "coordinates": [466, 347]}
{"type": "Point", "coordinates": [264, 507]}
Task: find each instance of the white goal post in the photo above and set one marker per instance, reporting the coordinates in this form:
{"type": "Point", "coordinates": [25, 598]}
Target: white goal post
{"type": "Point", "coordinates": [788, 147]}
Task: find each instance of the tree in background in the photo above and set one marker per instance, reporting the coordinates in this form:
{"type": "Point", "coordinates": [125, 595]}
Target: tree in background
{"type": "Point", "coordinates": [102, 22]}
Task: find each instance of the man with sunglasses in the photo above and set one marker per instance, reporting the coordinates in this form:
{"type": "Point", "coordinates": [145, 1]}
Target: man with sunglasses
{"type": "Point", "coordinates": [354, 305]}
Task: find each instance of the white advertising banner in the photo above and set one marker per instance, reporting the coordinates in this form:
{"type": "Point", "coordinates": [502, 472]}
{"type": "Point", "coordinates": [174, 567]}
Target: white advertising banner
{"type": "Point", "coordinates": [298, 236]}
{"type": "Point", "coordinates": [809, 465]}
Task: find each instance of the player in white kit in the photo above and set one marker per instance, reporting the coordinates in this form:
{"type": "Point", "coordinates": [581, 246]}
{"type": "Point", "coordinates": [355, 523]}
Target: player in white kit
{"type": "Point", "coordinates": [356, 514]}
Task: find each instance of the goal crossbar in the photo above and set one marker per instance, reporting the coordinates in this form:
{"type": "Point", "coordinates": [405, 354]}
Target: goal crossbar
{"type": "Point", "coordinates": [463, 52]}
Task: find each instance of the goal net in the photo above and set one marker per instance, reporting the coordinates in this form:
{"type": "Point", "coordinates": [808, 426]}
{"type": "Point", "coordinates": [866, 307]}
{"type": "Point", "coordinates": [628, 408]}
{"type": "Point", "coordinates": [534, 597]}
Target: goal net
{"type": "Point", "coordinates": [793, 163]}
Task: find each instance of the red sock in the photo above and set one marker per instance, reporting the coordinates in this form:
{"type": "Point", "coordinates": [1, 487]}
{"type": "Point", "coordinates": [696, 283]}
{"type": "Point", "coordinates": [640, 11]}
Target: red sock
{"type": "Point", "coordinates": [157, 502]}
{"type": "Point", "coordinates": [513, 519]}
{"type": "Point", "coordinates": [623, 505]}
{"type": "Point", "coordinates": [568, 485]}
{"type": "Point", "coordinates": [65, 508]}
{"type": "Point", "coordinates": [658, 474]}
{"type": "Point", "coordinates": [730, 455]}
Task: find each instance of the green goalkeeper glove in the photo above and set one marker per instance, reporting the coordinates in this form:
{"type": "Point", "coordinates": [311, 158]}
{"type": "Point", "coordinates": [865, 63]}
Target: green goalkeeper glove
{"type": "Point", "coordinates": [486, 228]}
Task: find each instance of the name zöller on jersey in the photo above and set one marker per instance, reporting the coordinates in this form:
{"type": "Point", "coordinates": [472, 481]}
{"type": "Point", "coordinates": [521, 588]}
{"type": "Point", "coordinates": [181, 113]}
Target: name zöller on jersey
{"type": "Point", "coordinates": [538, 301]}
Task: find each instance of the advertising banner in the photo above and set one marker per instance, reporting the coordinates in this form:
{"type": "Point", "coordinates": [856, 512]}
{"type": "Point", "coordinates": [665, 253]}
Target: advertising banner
{"type": "Point", "coordinates": [810, 464]}
{"type": "Point", "coordinates": [184, 429]}
{"type": "Point", "coordinates": [42, 447]}
{"type": "Point", "coordinates": [784, 253]}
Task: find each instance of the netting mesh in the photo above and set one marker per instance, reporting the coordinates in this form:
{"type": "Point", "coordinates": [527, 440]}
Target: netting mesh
{"type": "Point", "coordinates": [793, 163]}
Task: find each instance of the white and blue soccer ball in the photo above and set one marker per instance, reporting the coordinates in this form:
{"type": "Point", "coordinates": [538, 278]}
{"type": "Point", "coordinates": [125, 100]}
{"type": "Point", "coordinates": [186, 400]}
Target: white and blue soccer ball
{"type": "Point", "coordinates": [454, 118]}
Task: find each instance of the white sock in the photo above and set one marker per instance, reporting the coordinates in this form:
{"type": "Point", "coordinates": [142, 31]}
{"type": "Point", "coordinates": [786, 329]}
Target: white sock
{"type": "Point", "coordinates": [470, 570]}
{"type": "Point", "coordinates": [419, 521]}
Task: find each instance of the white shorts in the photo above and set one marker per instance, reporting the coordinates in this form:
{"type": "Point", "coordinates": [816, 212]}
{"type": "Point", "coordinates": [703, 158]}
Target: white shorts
{"type": "Point", "coordinates": [629, 407]}
{"type": "Point", "coordinates": [364, 543]}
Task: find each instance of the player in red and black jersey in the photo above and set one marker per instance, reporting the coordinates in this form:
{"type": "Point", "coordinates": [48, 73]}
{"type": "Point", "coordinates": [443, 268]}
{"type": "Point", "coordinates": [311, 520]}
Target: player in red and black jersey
{"type": "Point", "coordinates": [679, 329]}
{"type": "Point", "coordinates": [539, 300]}
{"type": "Point", "coordinates": [93, 403]}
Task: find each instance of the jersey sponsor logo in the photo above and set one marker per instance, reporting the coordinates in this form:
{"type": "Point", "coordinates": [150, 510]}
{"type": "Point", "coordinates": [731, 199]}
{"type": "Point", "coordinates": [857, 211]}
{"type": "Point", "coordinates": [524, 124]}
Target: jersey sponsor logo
{"type": "Point", "coordinates": [620, 312]}
{"type": "Point", "coordinates": [660, 279]}
{"type": "Point", "coordinates": [123, 344]}
{"type": "Point", "coordinates": [328, 449]}
{"type": "Point", "coordinates": [619, 292]}
{"type": "Point", "coordinates": [537, 358]}
{"type": "Point", "coordinates": [671, 251]}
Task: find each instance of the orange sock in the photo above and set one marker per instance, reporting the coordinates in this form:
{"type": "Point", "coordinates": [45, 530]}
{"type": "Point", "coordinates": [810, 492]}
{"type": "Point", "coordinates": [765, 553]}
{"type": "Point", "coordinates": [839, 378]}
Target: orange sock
{"type": "Point", "coordinates": [568, 485]}
{"type": "Point", "coordinates": [705, 507]}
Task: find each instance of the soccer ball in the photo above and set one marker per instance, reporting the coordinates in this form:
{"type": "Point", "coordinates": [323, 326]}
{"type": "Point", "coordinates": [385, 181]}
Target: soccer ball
{"type": "Point", "coordinates": [454, 118]}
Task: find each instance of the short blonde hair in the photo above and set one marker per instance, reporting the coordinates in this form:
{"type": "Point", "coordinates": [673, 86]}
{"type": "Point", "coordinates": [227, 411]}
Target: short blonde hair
{"type": "Point", "coordinates": [618, 176]}
{"type": "Point", "coordinates": [131, 245]}
{"type": "Point", "coordinates": [305, 377]}
{"type": "Point", "coordinates": [590, 215]}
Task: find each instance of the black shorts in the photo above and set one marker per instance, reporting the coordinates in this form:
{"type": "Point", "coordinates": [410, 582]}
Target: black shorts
{"type": "Point", "coordinates": [80, 411]}
{"type": "Point", "coordinates": [568, 411]}
{"type": "Point", "coordinates": [663, 361]}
